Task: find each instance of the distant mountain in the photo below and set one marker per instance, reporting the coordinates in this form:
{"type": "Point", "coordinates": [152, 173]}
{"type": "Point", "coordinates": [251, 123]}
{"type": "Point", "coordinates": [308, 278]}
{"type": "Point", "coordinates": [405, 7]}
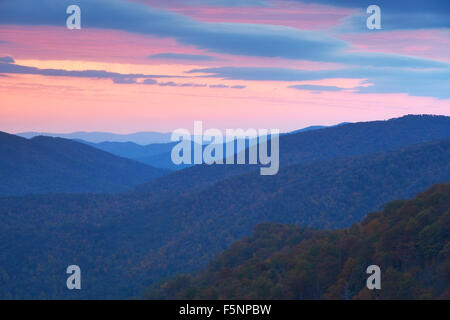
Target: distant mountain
{"type": "Point", "coordinates": [56, 165]}
{"type": "Point", "coordinates": [157, 155]}
{"type": "Point", "coordinates": [408, 240]}
{"type": "Point", "coordinates": [128, 241]}
{"type": "Point", "coordinates": [133, 150]}
{"type": "Point", "coordinates": [310, 128]}
{"type": "Point", "coordinates": [163, 160]}
{"type": "Point", "coordinates": [340, 141]}
{"type": "Point", "coordinates": [142, 138]}
{"type": "Point", "coordinates": [139, 138]}
{"type": "Point", "coordinates": [329, 178]}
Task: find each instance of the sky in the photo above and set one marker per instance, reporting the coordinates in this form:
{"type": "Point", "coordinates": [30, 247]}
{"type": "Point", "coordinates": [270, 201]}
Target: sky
{"type": "Point", "coordinates": [148, 65]}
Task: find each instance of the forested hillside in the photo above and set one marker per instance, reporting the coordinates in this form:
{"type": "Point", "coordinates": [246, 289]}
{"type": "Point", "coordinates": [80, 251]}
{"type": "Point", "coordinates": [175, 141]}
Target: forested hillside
{"type": "Point", "coordinates": [408, 240]}
{"type": "Point", "coordinates": [56, 165]}
{"type": "Point", "coordinates": [125, 242]}
{"type": "Point", "coordinates": [346, 140]}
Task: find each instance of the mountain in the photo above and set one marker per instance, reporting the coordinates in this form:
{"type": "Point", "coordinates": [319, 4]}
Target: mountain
{"type": "Point", "coordinates": [324, 194]}
{"type": "Point", "coordinates": [329, 178]}
{"type": "Point", "coordinates": [408, 240]}
{"type": "Point", "coordinates": [142, 138]}
{"type": "Point", "coordinates": [56, 165]}
{"type": "Point", "coordinates": [157, 155]}
{"type": "Point", "coordinates": [164, 160]}
{"type": "Point", "coordinates": [340, 141]}
{"type": "Point", "coordinates": [126, 242]}
{"type": "Point", "coordinates": [132, 150]}
{"type": "Point", "coordinates": [310, 128]}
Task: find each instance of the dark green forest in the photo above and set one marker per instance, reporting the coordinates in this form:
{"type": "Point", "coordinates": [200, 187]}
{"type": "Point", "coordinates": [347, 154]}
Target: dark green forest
{"type": "Point", "coordinates": [409, 240]}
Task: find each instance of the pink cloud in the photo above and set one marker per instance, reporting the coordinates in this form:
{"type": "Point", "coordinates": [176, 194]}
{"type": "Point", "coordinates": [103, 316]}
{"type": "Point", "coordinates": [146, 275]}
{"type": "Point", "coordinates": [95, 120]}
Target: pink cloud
{"type": "Point", "coordinates": [431, 44]}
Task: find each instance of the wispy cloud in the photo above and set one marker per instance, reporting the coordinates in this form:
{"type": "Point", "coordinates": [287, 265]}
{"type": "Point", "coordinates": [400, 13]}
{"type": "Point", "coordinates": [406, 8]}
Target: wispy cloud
{"type": "Point", "coordinates": [226, 3]}
{"type": "Point", "coordinates": [398, 14]}
{"type": "Point", "coordinates": [230, 38]}
{"type": "Point", "coordinates": [195, 85]}
{"type": "Point", "coordinates": [311, 87]}
{"type": "Point", "coordinates": [255, 40]}
{"type": "Point", "coordinates": [435, 83]}
{"type": "Point", "coordinates": [183, 56]}
{"type": "Point", "coordinates": [6, 60]}
{"type": "Point", "coordinates": [7, 66]}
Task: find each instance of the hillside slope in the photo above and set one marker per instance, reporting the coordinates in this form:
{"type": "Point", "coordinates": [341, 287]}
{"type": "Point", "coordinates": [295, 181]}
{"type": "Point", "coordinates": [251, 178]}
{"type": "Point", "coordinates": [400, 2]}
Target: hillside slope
{"type": "Point", "coordinates": [408, 240]}
{"type": "Point", "coordinates": [324, 194]}
{"type": "Point", "coordinates": [346, 140]}
{"type": "Point", "coordinates": [56, 165]}
{"type": "Point", "coordinates": [128, 241]}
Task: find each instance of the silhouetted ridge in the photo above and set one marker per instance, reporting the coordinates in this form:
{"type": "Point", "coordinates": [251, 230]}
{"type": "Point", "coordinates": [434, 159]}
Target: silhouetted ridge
{"type": "Point", "coordinates": [57, 165]}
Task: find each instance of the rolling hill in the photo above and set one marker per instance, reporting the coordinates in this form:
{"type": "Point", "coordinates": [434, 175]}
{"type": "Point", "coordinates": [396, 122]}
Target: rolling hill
{"type": "Point", "coordinates": [132, 150]}
{"type": "Point", "coordinates": [329, 178]}
{"type": "Point", "coordinates": [408, 240]}
{"type": "Point", "coordinates": [142, 138]}
{"type": "Point", "coordinates": [156, 154]}
{"type": "Point", "coordinates": [345, 140]}
{"type": "Point", "coordinates": [56, 165]}
{"type": "Point", "coordinates": [128, 241]}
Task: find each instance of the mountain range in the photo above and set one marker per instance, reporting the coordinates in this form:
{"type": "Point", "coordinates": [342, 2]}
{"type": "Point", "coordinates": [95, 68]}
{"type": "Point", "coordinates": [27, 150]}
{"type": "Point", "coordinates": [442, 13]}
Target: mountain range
{"type": "Point", "coordinates": [55, 165]}
{"type": "Point", "coordinates": [142, 138]}
{"type": "Point", "coordinates": [407, 240]}
{"type": "Point", "coordinates": [329, 178]}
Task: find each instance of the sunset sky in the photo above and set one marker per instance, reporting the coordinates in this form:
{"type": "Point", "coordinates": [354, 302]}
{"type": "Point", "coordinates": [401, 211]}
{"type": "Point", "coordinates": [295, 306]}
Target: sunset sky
{"type": "Point", "coordinates": [159, 65]}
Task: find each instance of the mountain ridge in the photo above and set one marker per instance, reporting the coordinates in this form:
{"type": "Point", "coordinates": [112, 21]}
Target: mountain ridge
{"type": "Point", "coordinates": [345, 140]}
{"type": "Point", "coordinates": [51, 165]}
{"type": "Point", "coordinates": [408, 240]}
{"type": "Point", "coordinates": [142, 238]}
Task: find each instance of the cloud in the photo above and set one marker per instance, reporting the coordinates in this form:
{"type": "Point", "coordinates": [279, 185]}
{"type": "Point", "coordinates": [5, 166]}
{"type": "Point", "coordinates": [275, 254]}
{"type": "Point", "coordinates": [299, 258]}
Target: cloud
{"type": "Point", "coordinates": [182, 56]}
{"type": "Point", "coordinates": [219, 86]}
{"type": "Point", "coordinates": [149, 81]}
{"type": "Point", "coordinates": [124, 80]}
{"type": "Point", "coordinates": [311, 87]}
{"type": "Point", "coordinates": [6, 60]}
{"type": "Point", "coordinates": [395, 14]}
{"type": "Point", "coordinates": [397, 6]}
{"type": "Point", "coordinates": [376, 59]}
{"type": "Point", "coordinates": [435, 83]}
{"type": "Point", "coordinates": [226, 3]}
{"type": "Point", "coordinates": [199, 85]}
{"type": "Point", "coordinates": [229, 38]}
{"type": "Point", "coordinates": [196, 85]}
{"type": "Point", "coordinates": [222, 86]}
{"type": "Point", "coordinates": [168, 84]}
{"type": "Point", "coordinates": [7, 66]}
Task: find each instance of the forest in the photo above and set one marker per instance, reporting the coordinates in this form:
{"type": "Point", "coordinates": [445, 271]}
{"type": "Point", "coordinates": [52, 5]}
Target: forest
{"type": "Point", "coordinates": [409, 240]}
{"type": "Point", "coordinates": [329, 178]}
